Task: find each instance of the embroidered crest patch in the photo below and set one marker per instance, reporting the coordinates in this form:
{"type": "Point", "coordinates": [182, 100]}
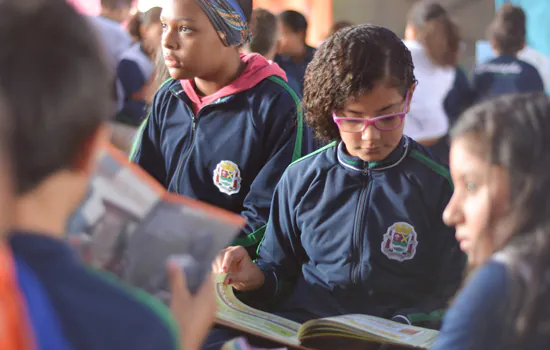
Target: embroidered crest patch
{"type": "Point", "coordinates": [400, 242]}
{"type": "Point", "coordinates": [227, 177]}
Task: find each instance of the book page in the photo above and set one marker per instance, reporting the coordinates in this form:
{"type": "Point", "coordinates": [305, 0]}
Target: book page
{"type": "Point", "coordinates": [235, 314]}
{"type": "Point", "coordinates": [381, 329]}
{"type": "Point", "coordinates": [130, 226]}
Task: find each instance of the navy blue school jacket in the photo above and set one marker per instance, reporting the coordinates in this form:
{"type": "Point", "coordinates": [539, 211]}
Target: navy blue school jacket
{"type": "Point", "coordinates": [459, 98]}
{"type": "Point", "coordinates": [348, 237]}
{"type": "Point", "coordinates": [296, 71]}
{"type": "Point", "coordinates": [505, 75]}
{"type": "Point", "coordinates": [94, 312]}
{"type": "Point", "coordinates": [231, 154]}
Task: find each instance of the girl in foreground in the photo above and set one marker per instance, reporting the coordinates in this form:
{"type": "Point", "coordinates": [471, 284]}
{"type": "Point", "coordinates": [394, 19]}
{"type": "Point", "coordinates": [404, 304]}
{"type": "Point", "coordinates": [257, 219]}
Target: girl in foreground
{"type": "Point", "coordinates": [500, 208]}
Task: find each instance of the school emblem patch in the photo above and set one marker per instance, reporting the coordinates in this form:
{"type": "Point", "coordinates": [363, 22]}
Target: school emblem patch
{"type": "Point", "coordinates": [400, 242]}
{"type": "Point", "coordinates": [227, 177]}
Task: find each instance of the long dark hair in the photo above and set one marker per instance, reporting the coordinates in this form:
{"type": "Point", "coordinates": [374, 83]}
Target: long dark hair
{"type": "Point", "coordinates": [436, 32]}
{"type": "Point", "coordinates": [512, 133]}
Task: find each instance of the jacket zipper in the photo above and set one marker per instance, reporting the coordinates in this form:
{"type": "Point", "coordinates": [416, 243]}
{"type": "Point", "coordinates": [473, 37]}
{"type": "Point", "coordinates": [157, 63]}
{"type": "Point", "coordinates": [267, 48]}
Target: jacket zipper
{"type": "Point", "coordinates": [359, 227]}
{"type": "Point", "coordinates": [195, 119]}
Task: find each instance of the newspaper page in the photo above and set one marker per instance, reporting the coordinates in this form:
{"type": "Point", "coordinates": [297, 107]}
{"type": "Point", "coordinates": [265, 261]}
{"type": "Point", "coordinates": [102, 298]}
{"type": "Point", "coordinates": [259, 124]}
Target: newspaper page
{"type": "Point", "coordinates": [235, 314]}
{"type": "Point", "coordinates": [130, 225]}
{"type": "Point", "coordinates": [382, 330]}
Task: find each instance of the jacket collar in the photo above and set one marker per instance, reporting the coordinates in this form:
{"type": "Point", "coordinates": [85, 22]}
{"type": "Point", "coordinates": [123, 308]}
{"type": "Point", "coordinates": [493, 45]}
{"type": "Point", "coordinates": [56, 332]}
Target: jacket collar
{"type": "Point", "coordinates": [358, 165]}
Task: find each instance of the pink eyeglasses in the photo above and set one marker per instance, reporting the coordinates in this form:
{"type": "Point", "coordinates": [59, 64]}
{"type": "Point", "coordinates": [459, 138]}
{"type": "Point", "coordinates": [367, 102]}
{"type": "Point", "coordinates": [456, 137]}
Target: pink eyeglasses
{"type": "Point", "coordinates": [382, 123]}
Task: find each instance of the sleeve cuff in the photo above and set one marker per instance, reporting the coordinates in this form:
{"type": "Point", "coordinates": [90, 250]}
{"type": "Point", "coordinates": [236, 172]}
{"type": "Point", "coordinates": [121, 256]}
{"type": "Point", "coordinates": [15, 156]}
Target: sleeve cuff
{"type": "Point", "coordinates": [266, 292]}
{"type": "Point", "coordinates": [401, 319]}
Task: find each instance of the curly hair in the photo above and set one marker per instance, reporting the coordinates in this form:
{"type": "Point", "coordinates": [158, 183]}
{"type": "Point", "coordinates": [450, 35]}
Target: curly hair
{"type": "Point", "coordinates": [348, 64]}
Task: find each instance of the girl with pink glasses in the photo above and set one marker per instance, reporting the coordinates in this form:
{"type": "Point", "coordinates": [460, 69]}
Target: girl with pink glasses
{"type": "Point", "coordinates": [356, 227]}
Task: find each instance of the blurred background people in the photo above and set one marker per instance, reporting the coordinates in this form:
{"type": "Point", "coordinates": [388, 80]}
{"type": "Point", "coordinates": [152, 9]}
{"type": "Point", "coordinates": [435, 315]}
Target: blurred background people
{"type": "Point", "coordinates": [293, 53]}
{"type": "Point", "coordinates": [339, 25]}
{"type": "Point", "coordinates": [434, 42]}
{"type": "Point", "coordinates": [506, 73]}
{"type": "Point", "coordinates": [136, 75]}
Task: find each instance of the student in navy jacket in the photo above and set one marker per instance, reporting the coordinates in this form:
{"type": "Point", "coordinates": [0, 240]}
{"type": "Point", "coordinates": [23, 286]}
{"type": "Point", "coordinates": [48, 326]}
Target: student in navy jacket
{"type": "Point", "coordinates": [58, 123]}
{"type": "Point", "coordinates": [264, 28]}
{"type": "Point", "coordinates": [356, 227]}
{"type": "Point", "coordinates": [265, 37]}
{"type": "Point", "coordinates": [293, 52]}
{"type": "Point", "coordinates": [225, 126]}
{"type": "Point", "coordinates": [506, 74]}
{"type": "Point", "coordinates": [501, 212]}
{"type": "Point", "coordinates": [136, 69]}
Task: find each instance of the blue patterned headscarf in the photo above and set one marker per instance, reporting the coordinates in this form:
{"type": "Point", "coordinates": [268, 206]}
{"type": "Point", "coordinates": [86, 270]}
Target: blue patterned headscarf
{"type": "Point", "coordinates": [228, 19]}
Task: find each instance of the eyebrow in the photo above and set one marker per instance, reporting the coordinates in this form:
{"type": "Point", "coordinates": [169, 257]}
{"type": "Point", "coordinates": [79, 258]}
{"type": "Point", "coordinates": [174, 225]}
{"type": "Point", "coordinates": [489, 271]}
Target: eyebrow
{"type": "Point", "coordinates": [378, 111]}
{"type": "Point", "coordinates": [383, 109]}
{"type": "Point", "coordinates": [179, 19]}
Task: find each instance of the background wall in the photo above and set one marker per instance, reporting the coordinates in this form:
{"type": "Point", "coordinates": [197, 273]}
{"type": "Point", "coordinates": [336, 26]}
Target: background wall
{"type": "Point", "coordinates": [473, 17]}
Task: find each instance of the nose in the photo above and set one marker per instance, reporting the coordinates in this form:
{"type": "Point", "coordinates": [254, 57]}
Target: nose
{"type": "Point", "coordinates": [452, 215]}
{"type": "Point", "coordinates": [169, 39]}
{"type": "Point", "coordinates": [370, 133]}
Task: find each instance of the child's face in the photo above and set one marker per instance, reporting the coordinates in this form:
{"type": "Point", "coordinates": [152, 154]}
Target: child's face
{"type": "Point", "coordinates": [290, 43]}
{"type": "Point", "coordinates": [190, 45]}
{"type": "Point", "coordinates": [373, 145]}
{"type": "Point", "coordinates": [480, 198]}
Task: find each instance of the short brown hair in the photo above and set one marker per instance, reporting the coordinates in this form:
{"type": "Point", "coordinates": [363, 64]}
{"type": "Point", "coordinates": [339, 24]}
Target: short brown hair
{"type": "Point", "coordinates": [53, 115]}
{"type": "Point", "coordinates": [264, 29]}
{"type": "Point", "coordinates": [507, 31]}
{"type": "Point", "coordinates": [339, 25]}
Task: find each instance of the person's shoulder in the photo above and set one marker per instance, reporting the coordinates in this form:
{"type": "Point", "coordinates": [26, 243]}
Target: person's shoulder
{"type": "Point", "coordinates": [421, 160]}
{"type": "Point", "coordinates": [528, 68]}
{"type": "Point", "coordinates": [95, 310]}
{"type": "Point", "coordinates": [168, 89]}
{"type": "Point", "coordinates": [149, 324]}
{"type": "Point", "coordinates": [274, 94]}
{"type": "Point", "coordinates": [310, 53]}
{"type": "Point", "coordinates": [319, 161]}
{"type": "Point", "coordinates": [275, 86]}
{"type": "Point", "coordinates": [476, 318]}
{"type": "Point", "coordinates": [492, 276]}
{"type": "Point", "coordinates": [167, 93]}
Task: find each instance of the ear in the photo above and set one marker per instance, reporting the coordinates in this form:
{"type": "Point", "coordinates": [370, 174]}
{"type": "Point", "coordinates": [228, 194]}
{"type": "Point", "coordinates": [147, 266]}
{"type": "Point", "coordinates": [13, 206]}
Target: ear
{"type": "Point", "coordinates": [411, 94]}
{"type": "Point", "coordinates": [410, 32]}
{"type": "Point", "coordinates": [85, 161]}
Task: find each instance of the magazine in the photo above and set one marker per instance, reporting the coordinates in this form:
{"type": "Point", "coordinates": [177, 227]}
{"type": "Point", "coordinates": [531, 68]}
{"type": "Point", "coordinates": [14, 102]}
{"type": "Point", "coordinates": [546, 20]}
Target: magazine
{"type": "Point", "coordinates": [130, 225]}
{"type": "Point", "coordinates": [359, 328]}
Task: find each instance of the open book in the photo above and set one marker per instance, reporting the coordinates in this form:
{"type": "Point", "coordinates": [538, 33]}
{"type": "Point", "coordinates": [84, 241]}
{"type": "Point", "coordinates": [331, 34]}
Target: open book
{"type": "Point", "coordinates": [130, 225]}
{"type": "Point", "coordinates": [360, 328]}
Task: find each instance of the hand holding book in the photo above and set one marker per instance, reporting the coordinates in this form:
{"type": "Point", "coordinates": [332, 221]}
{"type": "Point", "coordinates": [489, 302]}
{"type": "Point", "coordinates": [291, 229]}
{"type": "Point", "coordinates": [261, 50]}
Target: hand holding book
{"type": "Point", "coordinates": [242, 273]}
{"type": "Point", "coordinates": [195, 314]}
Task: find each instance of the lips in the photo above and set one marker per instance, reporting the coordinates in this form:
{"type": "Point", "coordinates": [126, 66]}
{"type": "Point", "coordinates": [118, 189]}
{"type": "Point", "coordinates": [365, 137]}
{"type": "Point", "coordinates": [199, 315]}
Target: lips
{"type": "Point", "coordinates": [172, 62]}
